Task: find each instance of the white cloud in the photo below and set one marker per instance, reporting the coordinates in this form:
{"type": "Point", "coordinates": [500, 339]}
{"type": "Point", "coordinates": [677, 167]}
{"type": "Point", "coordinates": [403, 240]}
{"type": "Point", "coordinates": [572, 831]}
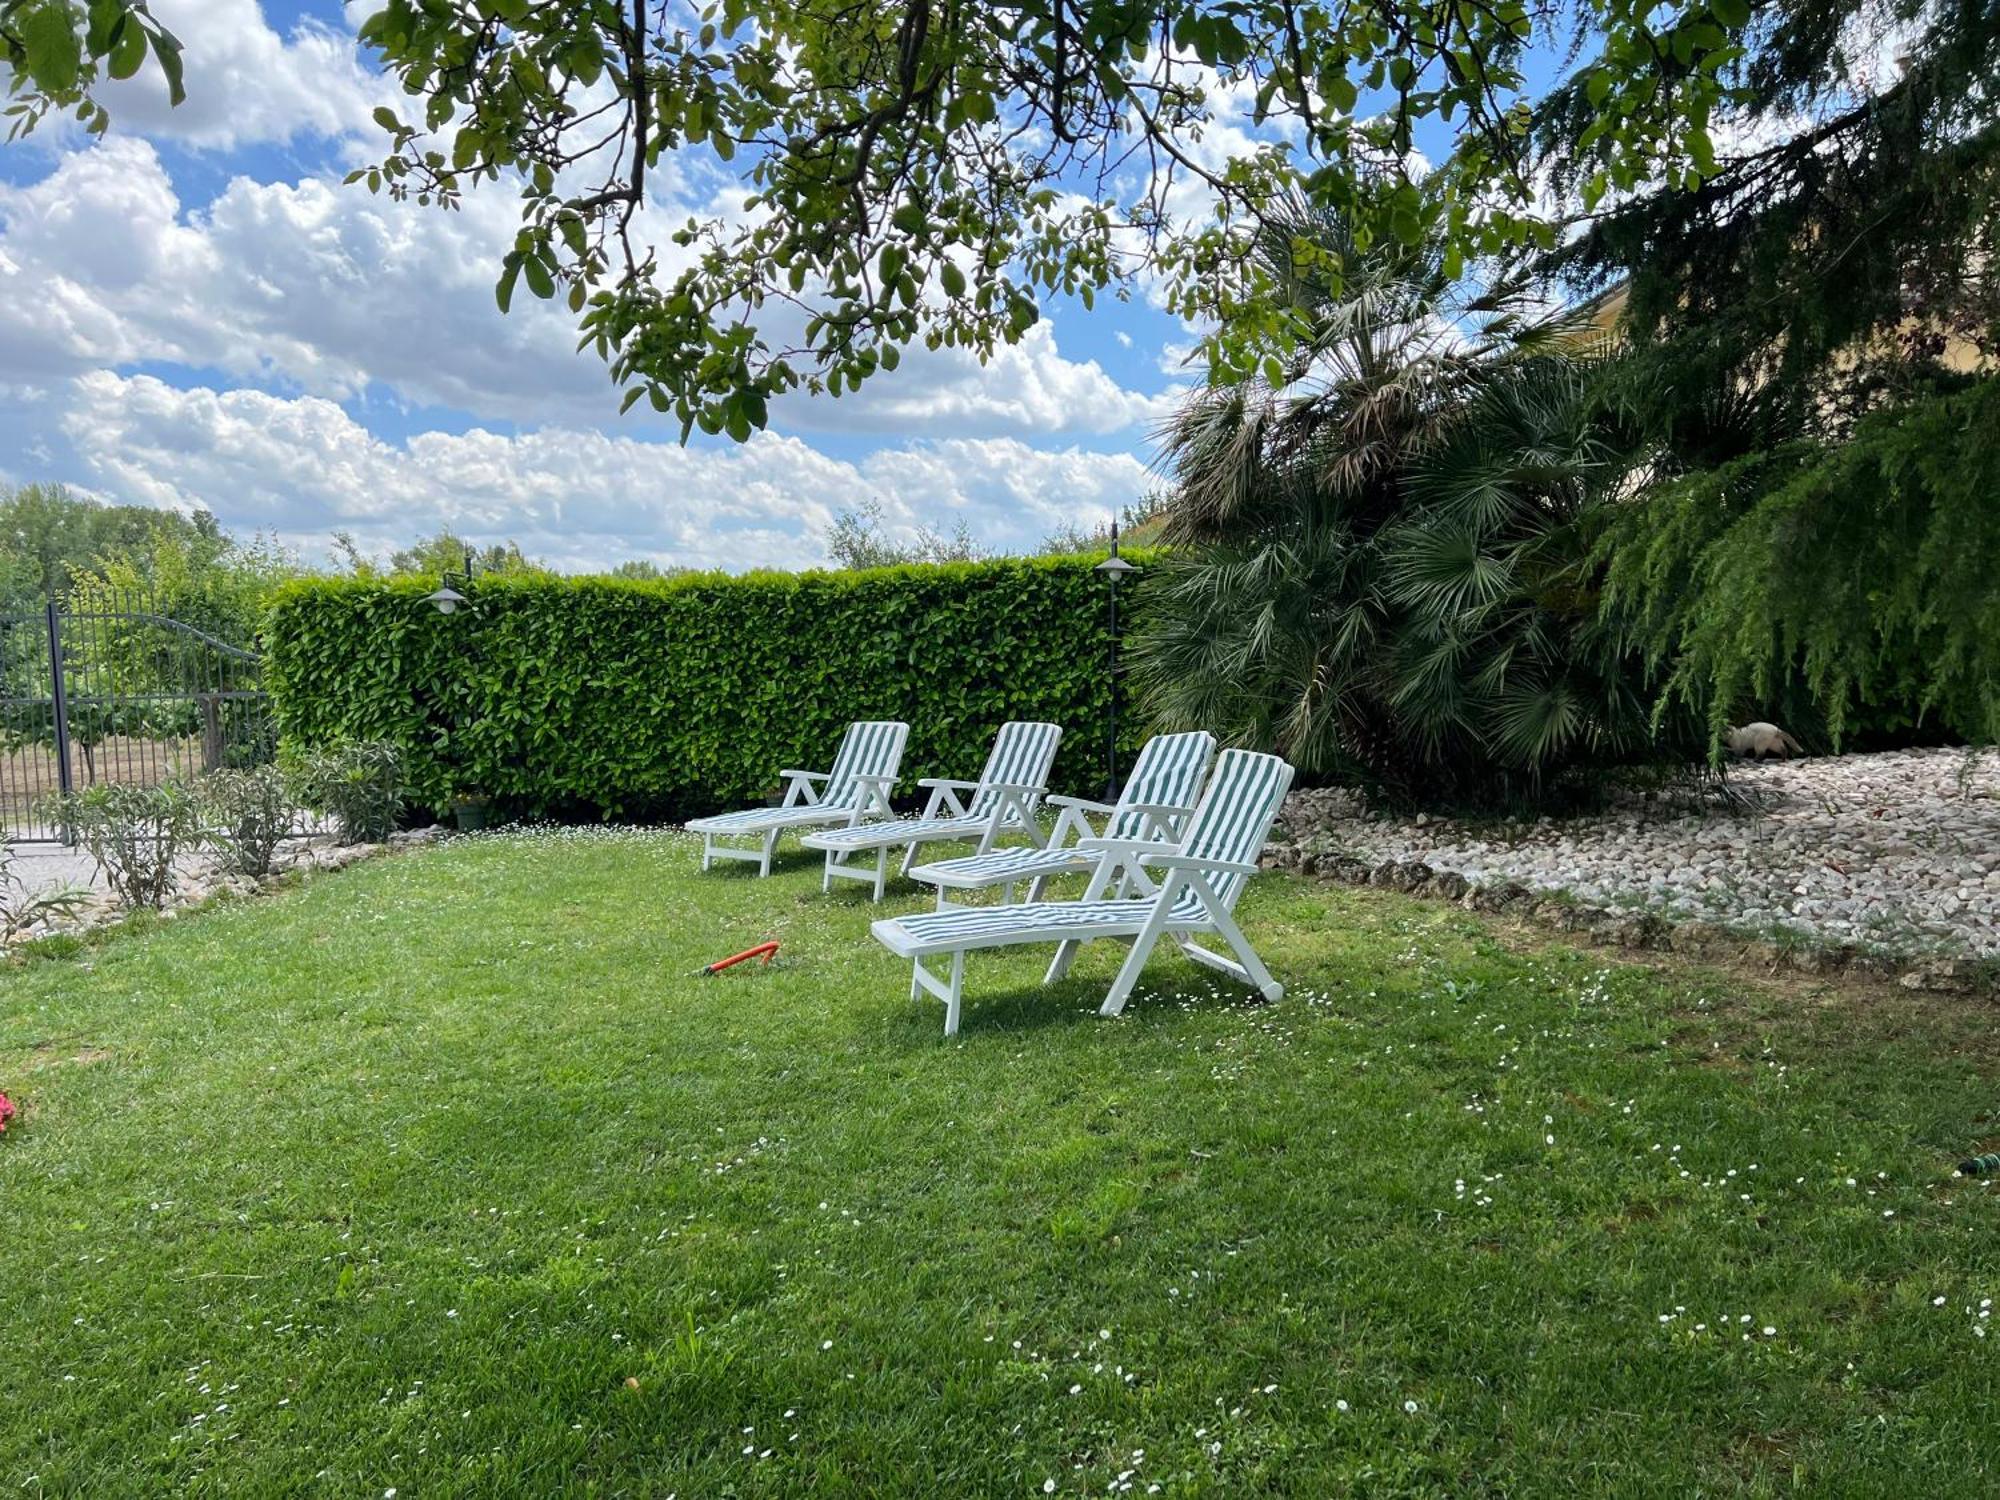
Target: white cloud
{"type": "Point", "coordinates": [330, 290]}
{"type": "Point", "coordinates": [303, 468]}
{"type": "Point", "coordinates": [246, 83]}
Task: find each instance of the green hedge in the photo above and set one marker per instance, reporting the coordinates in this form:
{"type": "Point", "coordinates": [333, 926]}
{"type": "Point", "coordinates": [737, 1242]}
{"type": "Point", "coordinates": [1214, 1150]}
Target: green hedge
{"type": "Point", "coordinates": [663, 698]}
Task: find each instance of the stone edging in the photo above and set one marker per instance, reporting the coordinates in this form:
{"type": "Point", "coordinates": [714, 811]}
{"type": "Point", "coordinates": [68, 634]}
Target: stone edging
{"type": "Point", "coordinates": [1641, 929]}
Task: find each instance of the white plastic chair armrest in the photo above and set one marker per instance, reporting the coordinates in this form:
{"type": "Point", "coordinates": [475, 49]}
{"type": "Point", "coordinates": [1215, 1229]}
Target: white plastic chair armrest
{"type": "Point", "coordinates": [1082, 804]}
{"type": "Point", "coordinates": [947, 781]}
{"type": "Point", "coordinates": [1123, 848]}
{"type": "Point", "coordinates": [1200, 863]}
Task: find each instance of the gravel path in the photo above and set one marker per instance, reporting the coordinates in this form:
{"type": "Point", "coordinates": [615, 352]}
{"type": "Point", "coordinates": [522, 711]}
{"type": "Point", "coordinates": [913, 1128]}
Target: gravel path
{"type": "Point", "coordinates": [1899, 850]}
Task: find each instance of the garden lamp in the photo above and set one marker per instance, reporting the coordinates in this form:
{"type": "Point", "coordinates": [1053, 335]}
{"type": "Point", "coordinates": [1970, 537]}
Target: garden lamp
{"type": "Point", "coordinates": [1114, 568]}
{"type": "Point", "coordinates": [444, 598]}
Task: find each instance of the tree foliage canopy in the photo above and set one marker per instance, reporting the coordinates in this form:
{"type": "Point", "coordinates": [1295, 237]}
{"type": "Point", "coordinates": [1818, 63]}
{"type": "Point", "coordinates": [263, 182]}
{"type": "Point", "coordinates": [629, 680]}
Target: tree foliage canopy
{"type": "Point", "coordinates": [1827, 580]}
{"type": "Point", "coordinates": [1839, 254]}
{"type": "Point", "coordinates": [934, 169]}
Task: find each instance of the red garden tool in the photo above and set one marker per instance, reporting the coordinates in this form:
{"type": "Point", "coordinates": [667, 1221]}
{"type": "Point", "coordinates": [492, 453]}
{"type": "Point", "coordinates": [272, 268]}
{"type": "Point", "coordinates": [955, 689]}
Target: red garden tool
{"type": "Point", "coordinates": [762, 950]}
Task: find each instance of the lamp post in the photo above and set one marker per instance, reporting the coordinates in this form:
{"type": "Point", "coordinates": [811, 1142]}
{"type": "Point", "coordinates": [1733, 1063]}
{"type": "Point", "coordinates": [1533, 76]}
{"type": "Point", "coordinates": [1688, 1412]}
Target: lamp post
{"type": "Point", "coordinates": [1114, 568]}
{"type": "Point", "coordinates": [444, 598]}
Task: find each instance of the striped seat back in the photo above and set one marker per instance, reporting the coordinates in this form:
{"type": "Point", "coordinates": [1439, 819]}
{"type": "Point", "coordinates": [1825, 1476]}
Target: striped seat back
{"type": "Point", "coordinates": [871, 747]}
{"type": "Point", "coordinates": [1022, 755]}
{"type": "Point", "coordinates": [1168, 773]}
{"type": "Point", "coordinates": [1236, 811]}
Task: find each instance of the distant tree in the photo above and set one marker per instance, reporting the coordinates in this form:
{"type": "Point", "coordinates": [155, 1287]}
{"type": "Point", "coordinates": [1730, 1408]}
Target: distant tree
{"type": "Point", "coordinates": [1139, 525]}
{"type": "Point", "coordinates": [858, 539]}
{"type": "Point", "coordinates": [645, 568]}
{"type": "Point", "coordinates": [48, 536]}
{"type": "Point", "coordinates": [447, 551]}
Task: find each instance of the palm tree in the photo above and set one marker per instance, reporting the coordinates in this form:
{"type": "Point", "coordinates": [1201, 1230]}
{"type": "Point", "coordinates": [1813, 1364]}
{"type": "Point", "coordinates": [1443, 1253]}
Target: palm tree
{"type": "Point", "coordinates": [1374, 564]}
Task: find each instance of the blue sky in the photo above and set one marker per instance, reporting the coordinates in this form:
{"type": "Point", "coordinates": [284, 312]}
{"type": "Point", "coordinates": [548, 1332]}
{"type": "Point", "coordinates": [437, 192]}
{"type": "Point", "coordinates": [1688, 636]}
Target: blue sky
{"type": "Point", "coordinates": [203, 315]}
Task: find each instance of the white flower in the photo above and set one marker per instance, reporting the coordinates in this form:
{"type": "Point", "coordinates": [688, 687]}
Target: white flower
{"type": "Point", "coordinates": [1410, 1407]}
{"type": "Point", "coordinates": [1340, 1406]}
{"type": "Point", "coordinates": [1048, 1486]}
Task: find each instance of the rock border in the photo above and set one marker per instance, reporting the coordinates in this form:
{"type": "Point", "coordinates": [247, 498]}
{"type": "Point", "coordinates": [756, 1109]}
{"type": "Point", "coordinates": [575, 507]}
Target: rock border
{"type": "Point", "coordinates": [205, 881]}
{"type": "Point", "coordinates": [1627, 928]}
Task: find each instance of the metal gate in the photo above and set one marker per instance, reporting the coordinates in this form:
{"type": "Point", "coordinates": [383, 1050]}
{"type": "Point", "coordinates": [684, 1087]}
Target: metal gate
{"type": "Point", "coordinates": [104, 687]}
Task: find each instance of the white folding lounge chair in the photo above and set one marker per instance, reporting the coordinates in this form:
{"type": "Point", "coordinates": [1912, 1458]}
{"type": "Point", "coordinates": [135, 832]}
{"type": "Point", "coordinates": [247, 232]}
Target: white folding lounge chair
{"type": "Point", "coordinates": [1153, 804]}
{"type": "Point", "coordinates": [1196, 895]}
{"type": "Point", "coordinates": [1003, 800]}
{"type": "Point", "coordinates": [857, 786]}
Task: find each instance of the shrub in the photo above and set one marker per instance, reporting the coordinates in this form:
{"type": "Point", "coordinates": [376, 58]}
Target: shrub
{"type": "Point", "coordinates": [357, 783]}
{"type": "Point", "coordinates": [1376, 570]}
{"type": "Point", "coordinates": [652, 697]}
{"type": "Point", "coordinates": [248, 813]}
{"type": "Point", "coordinates": [135, 833]}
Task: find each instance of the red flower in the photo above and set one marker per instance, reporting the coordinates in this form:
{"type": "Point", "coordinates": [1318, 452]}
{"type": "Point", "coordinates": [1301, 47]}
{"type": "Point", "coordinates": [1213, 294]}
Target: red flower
{"type": "Point", "coordinates": [7, 1112]}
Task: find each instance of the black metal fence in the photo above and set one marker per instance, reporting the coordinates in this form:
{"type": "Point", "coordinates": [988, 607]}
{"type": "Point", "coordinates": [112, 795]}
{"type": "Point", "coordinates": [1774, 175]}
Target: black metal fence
{"type": "Point", "coordinates": [106, 687]}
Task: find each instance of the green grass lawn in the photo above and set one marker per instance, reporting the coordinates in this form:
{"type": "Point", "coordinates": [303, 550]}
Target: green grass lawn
{"type": "Point", "coordinates": [442, 1176]}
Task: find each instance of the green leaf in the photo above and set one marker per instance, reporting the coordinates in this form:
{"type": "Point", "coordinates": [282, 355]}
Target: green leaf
{"type": "Point", "coordinates": [53, 59]}
{"type": "Point", "coordinates": [128, 51]}
{"type": "Point", "coordinates": [167, 48]}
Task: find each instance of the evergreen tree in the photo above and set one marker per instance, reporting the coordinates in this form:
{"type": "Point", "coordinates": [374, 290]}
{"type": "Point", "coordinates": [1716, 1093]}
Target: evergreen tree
{"type": "Point", "coordinates": [1834, 247]}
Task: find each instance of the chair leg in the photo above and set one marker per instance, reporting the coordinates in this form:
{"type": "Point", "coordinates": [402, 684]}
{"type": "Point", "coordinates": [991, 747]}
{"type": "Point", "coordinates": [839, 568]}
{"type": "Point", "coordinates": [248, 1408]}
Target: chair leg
{"type": "Point", "coordinates": [826, 875]}
{"type": "Point", "coordinates": [1142, 949]}
{"type": "Point", "coordinates": [770, 843]}
{"type": "Point", "coordinates": [707, 851]}
{"type": "Point", "coordinates": [951, 1005]}
{"type": "Point", "coordinates": [1260, 976]}
{"type": "Point", "coordinates": [881, 871]}
{"type": "Point", "coordinates": [1065, 956]}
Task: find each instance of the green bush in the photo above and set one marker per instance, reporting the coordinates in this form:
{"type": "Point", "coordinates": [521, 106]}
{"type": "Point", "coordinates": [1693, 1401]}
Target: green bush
{"type": "Point", "coordinates": [357, 783]}
{"type": "Point", "coordinates": [135, 833]}
{"type": "Point", "coordinates": [249, 811]}
{"type": "Point", "coordinates": [655, 697]}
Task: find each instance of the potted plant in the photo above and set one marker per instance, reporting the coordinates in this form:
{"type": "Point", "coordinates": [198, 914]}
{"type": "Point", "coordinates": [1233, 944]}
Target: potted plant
{"type": "Point", "coordinates": [472, 810]}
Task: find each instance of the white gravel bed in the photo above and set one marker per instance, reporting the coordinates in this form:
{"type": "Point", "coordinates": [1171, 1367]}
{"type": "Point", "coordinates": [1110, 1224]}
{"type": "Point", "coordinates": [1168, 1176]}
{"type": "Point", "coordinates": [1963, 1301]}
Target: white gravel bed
{"type": "Point", "coordinates": [1899, 850]}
